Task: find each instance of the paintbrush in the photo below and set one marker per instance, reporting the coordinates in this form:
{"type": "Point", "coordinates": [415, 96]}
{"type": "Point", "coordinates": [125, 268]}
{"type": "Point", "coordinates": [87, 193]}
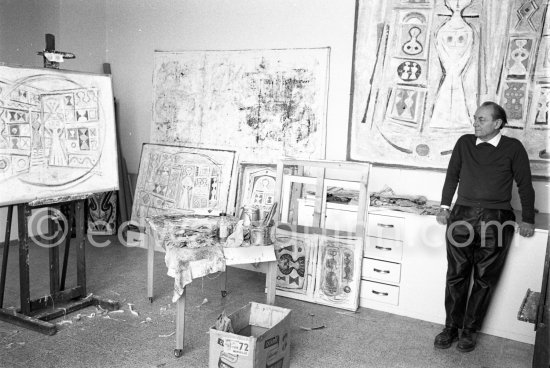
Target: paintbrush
{"type": "Point", "coordinates": [270, 215]}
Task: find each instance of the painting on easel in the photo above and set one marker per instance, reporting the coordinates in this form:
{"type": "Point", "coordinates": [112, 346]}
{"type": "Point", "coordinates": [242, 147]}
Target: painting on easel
{"type": "Point", "coordinates": [422, 67]}
{"type": "Point", "coordinates": [185, 180]}
{"type": "Point", "coordinates": [270, 103]}
{"type": "Point", "coordinates": [57, 134]}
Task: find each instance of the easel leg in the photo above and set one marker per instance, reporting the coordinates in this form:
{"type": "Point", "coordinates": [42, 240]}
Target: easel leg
{"type": "Point", "coordinates": [5, 254]}
{"type": "Point", "coordinates": [34, 314]}
{"type": "Point", "coordinates": [180, 325]}
{"type": "Point", "coordinates": [150, 244]}
{"type": "Point", "coordinates": [53, 255]}
{"type": "Point", "coordinates": [271, 282]}
{"type": "Point", "coordinates": [223, 282]}
{"type": "Point", "coordinates": [24, 283]}
{"type": "Point", "coordinates": [67, 247]}
{"type": "Point", "coordinates": [80, 249]}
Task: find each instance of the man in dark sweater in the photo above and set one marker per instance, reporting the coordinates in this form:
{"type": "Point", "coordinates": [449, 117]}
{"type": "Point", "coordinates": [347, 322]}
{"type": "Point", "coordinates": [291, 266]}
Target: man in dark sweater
{"type": "Point", "coordinates": [481, 224]}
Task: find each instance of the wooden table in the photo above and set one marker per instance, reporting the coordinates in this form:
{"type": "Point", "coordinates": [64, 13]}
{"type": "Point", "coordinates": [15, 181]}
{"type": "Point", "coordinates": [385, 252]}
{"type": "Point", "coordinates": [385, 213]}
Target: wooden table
{"type": "Point", "coordinates": [233, 256]}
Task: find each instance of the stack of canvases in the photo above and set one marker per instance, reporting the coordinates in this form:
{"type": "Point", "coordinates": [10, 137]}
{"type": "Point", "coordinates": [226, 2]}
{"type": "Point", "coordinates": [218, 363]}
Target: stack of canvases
{"type": "Point", "coordinates": [270, 103]}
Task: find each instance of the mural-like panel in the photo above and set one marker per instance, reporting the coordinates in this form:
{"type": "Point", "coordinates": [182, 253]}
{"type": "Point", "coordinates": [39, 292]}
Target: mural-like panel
{"type": "Point", "coordinates": [268, 103]}
{"type": "Point", "coordinates": [57, 134]}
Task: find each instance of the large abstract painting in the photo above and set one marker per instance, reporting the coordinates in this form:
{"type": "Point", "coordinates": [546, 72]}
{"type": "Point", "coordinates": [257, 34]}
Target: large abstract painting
{"type": "Point", "coordinates": [268, 103]}
{"type": "Point", "coordinates": [184, 180]}
{"type": "Point", "coordinates": [422, 67]}
{"type": "Point", "coordinates": [57, 135]}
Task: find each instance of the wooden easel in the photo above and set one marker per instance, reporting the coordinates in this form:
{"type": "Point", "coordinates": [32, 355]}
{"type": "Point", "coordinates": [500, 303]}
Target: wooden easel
{"type": "Point", "coordinates": [34, 314]}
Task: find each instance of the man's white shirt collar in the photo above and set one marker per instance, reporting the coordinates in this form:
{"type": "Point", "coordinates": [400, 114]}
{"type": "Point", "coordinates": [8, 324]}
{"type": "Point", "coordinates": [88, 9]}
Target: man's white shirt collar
{"type": "Point", "coordinates": [493, 141]}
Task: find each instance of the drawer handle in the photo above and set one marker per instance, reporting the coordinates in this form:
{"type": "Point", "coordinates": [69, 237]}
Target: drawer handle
{"type": "Point", "coordinates": [379, 293]}
{"type": "Point", "coordinates": [385, 225]}
{"type": "Point", "coordinates": [382, 248]}
{"type": "Point", "coordinates": [380, 271]}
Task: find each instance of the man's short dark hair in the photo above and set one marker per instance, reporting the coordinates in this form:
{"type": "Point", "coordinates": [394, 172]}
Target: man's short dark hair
{"type": "Point", "coordinates": [498, 112]}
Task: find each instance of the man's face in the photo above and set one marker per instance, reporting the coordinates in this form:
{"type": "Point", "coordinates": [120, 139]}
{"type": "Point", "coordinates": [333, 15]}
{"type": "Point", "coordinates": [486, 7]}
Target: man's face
{"type": "Point", "coordinates": [485, 126]}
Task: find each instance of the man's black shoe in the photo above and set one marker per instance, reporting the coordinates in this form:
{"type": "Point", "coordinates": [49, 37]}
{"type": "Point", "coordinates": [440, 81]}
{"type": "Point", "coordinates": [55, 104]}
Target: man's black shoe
{"type": "Point", "coordinates": [467, 341]}
{"type": "Point", "coordinates": [445, 339]}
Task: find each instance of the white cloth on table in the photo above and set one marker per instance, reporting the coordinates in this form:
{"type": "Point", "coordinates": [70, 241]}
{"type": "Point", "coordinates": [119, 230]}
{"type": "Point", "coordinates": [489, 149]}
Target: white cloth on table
{"type": "Point", "coordinates": [186, 264]}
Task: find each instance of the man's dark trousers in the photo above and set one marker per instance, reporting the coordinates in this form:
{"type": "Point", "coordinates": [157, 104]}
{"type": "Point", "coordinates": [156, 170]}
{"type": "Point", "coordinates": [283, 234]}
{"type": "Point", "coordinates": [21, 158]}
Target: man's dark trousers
{"type": "Point", "coordinates": [477, 239]}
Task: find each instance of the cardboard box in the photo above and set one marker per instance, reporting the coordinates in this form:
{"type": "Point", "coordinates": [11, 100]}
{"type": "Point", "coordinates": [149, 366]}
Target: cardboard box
{"type": "Point", "coordinates": [261, 339]}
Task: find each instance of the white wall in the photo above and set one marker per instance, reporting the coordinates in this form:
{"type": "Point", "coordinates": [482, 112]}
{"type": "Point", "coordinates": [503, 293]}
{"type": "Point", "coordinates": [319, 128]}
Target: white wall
{"type": "Point", "coordinates": [23, 25]}
{"type": "Point", "coordinates": [135, 28]}
{"type": "Point", "coordinates": [82, 31]}
{"type": "Point", "coordinates": [126, 33]}
{"type": "Point", "coordinates": [78, 27]}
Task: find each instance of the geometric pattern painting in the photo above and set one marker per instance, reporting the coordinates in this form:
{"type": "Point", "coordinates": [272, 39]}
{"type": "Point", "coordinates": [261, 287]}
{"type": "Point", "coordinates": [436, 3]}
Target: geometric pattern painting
{"type": "Point", "coordinates": [317, 268]}
{"type": "Point", "coordinates": [57, 134]}
{"type": "Point", "coordinates": [102, 214]}
{"type": "Point", "coordinates": [338, 271]}
{"type": "Point", "coordinates": [257, 187]}
{"type": "Point", "coordinates": [269, 103]}
{"type": "Point", "coordinates": [296, 255]}
{"type": "Point", "coordinates": [525, 78]}
{"type": "Point", "coordinates": [422, 67]}
{"type": "Point", "coordinates": [184, 180]}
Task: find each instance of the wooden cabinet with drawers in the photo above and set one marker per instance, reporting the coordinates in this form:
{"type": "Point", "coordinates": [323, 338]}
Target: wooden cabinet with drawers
{"type": "Point", "coordinates": [405, 262]}
{"type": "Point", "coordinates": [383, 251]}
{"type": "Point", "coordinates": [404, 269]}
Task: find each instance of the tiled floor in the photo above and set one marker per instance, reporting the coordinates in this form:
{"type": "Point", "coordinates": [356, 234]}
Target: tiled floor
{"type": "Point", "coordinates": [367, 338]}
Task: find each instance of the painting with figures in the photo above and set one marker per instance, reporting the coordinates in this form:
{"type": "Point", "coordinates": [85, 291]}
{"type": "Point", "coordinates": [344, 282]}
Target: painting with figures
{"type": "Point", "coordinates": [339, 271]}
{"type": "Point", "coordinates": [57, 135]}
{"type": "Point", "coordinates": [269, 103]}
{"type": "Point", "coordinates": [296, 255]}
{"type": "Point", "coordinates": [187, 180]}
{"type": "Point", "coordinates": [422, 67]}
{"type": "Point", "coordinates": [257, 187]}
{"type": "Point", "coordinates": [257, 184]}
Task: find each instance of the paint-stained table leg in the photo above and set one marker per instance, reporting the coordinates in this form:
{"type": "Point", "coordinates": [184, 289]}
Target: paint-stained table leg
{"type": "Point", "coordinates": [180, 325]}
{"type": "Point", "coordinates": [270, 282]}
{"type": "Point", "coordinates": [223, 283]}
{"type": "Point", "coordinates": [150, 244]}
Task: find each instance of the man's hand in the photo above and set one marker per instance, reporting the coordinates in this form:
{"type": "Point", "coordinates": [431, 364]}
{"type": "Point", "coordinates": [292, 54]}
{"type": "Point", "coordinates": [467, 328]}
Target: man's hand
{"type": "Point", "coordinates": [526, 229]}
{"type": "Point", "coordinates": [442, 216]}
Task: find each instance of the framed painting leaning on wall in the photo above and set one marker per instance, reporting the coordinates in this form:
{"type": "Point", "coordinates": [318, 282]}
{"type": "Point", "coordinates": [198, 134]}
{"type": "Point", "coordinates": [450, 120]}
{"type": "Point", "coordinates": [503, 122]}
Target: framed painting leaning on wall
{"type": "Point", "coordinates": [187, 180]}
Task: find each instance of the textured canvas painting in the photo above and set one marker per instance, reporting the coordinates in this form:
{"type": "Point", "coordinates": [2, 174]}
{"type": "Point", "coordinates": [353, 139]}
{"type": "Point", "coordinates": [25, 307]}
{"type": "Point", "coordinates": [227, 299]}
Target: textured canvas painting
{"type": "Point", "coordinates": [57, 135]}
{"type": "Point", "coordinates": [257, 187]}
{"type": "Point", "coordinates": [265, 103]}
{"type": "Point", "coordinates": [182, 179]}
{"type": "Point", "coordinates": [102, 213]}
{"type": "Point", "coordinates": [296, 255]}
{"type": "Point", "coordinates": [422, 67]}
{"type": "Point", "coordinates": [339, 271]}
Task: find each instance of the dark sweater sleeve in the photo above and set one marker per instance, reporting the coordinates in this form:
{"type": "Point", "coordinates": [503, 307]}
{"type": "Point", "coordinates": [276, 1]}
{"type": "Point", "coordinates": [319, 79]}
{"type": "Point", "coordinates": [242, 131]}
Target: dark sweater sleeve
{"type": "Point", "coordinates": [522, 176]}
{"type": "Point", "coordinates": [453, 175]}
